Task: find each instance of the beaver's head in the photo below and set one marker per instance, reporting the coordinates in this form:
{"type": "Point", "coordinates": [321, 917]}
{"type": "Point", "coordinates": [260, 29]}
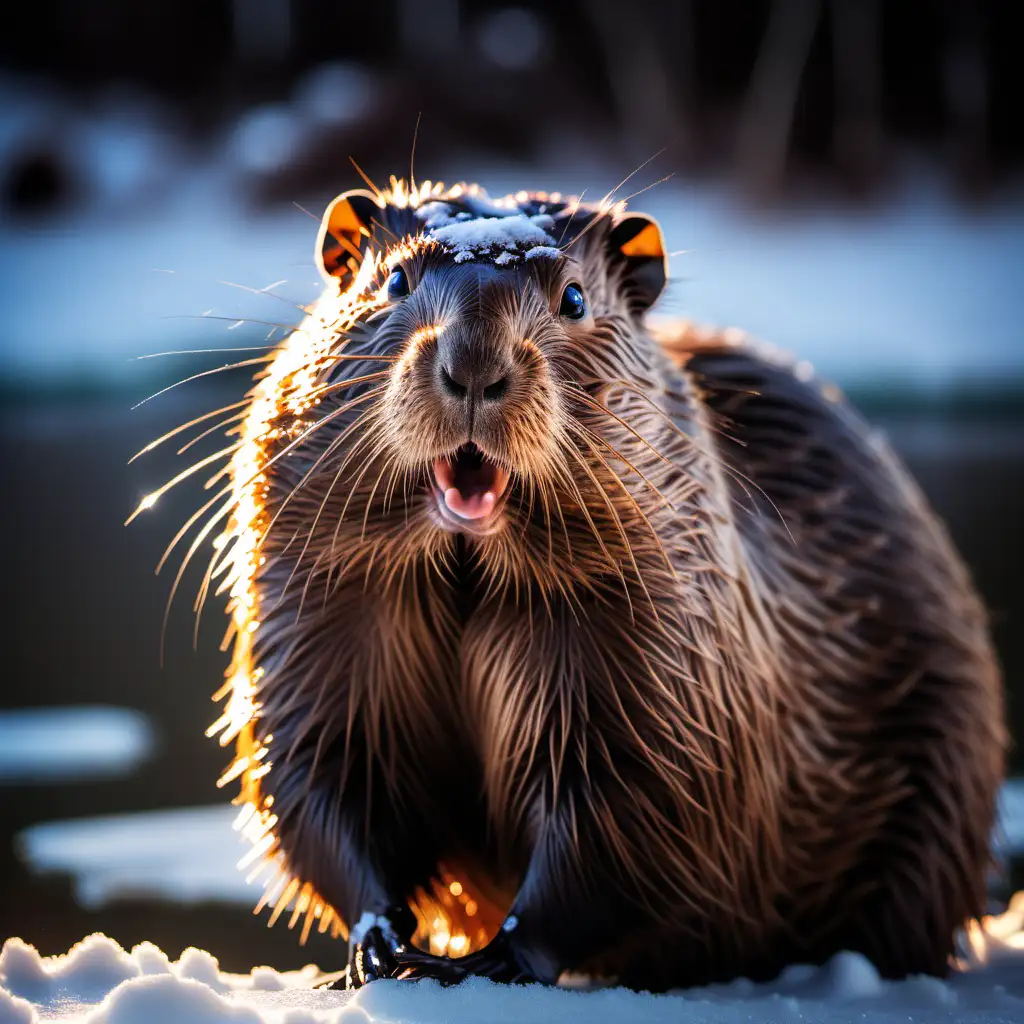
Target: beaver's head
{"type": "Point", "coordinates": [453, 383]}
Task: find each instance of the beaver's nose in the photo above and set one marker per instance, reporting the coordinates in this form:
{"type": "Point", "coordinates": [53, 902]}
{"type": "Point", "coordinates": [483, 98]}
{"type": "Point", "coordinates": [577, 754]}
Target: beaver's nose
{"type": "Point", "coordinates": [466, 373]}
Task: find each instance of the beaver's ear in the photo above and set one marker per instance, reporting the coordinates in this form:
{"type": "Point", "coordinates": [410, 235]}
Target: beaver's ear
{"type": "Point", "coordinates": [344, 235]}
{"type": "Point", "coordinates": [637, 241]}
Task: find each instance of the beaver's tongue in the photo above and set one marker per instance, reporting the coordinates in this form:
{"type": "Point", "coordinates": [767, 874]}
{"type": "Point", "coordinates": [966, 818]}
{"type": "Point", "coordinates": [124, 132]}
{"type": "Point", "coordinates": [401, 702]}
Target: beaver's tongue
{"type": "Point", "coordinates": [470, 483]}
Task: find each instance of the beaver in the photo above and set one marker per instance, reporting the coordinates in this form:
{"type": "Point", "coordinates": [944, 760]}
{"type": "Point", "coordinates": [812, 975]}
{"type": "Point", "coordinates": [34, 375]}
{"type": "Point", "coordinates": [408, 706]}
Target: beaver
{"type": "Point", "coordinates": [567, 644]}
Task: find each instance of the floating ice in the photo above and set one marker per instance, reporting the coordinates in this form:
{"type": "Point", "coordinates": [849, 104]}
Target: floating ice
{"type": "Point", "coordinates": [186, 854]}
{"type": "Point", "coordinates": [57, 744]}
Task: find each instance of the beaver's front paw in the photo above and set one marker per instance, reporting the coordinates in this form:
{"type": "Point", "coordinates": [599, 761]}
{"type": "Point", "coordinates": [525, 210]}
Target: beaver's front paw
{"type": "Point", "coordinates": [372, 958]}
{"type": "Point", "coordinates": [375, 946]}
{"type": "Point", "coordinates": [497, 961]}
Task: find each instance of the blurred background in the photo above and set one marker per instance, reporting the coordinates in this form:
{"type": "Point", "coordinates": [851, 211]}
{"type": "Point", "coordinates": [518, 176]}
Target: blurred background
{"type": "Point", "coordinates": [843, 178]}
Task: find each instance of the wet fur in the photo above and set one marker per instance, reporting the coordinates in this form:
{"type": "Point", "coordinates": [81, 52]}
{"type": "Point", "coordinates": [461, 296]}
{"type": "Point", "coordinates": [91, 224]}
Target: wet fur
{"type": "Point", "coordinates": [718, 698]}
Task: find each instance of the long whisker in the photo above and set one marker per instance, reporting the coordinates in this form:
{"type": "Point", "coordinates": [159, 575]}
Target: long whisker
{"type": "Point", "coordinates": [204, 373]}
{"type": "Point", "coordinates": [154, 496]}
{"type": "Point", "coordinates": [653, 184]}
{"type": "Point", "coordinates": [616, 453]}
{"type": "Point", "coordinates": [211, 351]}
{"type": "Point", "coordinates": [231, 320]}
{"type": "Point", "coordinates": [632, 500]}
{"type": "Point", "coordinates": [362, 174]}
{"type": "Point", "coordinates": [310, 532]}
{"type": "Point", "coordinates": [599, 407]}
{"type": "Point", "coordinates": [608, 198]}
{"type": "Point", "coordinates": [571, 486]}
{"type": "Point", "coordinates": [328, 451]}
{"type": "Point", "coordinates": [575, 210]}
{"type": "Point", "coordinates": [220, 424]}
{"type": "Point", "coordinates": [199, 538]}
{"type": "Point", "coordinates": [266, 291]}
{"type": "Point", "coordinates": [185, 426]}
{"type": "Point", "coordinates": [188, 525]}
{"type": "Point", "coordinates": [740, 477]}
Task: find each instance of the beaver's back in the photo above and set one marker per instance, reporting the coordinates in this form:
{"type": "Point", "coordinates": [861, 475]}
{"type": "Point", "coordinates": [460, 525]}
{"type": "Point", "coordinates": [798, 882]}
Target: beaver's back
{"type": "Point", "coordinates": [891, 694]}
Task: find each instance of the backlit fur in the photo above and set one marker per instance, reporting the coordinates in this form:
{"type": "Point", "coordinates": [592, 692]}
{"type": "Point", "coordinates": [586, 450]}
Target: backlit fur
{"type": "Point", "coordinates": [717, 696]}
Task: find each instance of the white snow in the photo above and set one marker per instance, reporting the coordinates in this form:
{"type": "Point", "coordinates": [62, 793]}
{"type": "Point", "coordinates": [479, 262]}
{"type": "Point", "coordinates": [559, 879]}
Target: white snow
{"type": "Point", "coordinates": [98, 982]}
{"type": "Point", "coordinates": [436, 214]}
{"type": "Point", "coordinates": [543, 252]}
{"type": "Point", "coordinates": [51, 744]}
{"type": "Point", "coordinates": [496, 238]}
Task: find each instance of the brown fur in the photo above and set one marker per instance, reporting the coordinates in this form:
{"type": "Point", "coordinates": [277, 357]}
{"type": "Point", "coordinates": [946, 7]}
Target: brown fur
{"type": "Point", "coordinates": [718, 697]}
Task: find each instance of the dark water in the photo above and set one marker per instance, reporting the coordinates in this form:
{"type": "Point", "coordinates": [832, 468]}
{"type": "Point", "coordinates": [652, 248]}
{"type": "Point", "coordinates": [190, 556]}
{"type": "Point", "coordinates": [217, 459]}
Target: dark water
{"type": "Point", "coordinates": [83, 615]}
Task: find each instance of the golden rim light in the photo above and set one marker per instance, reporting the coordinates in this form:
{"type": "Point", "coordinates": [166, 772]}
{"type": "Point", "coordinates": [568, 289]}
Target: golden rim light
{"type": "Point", "coordinates": [285, 392]}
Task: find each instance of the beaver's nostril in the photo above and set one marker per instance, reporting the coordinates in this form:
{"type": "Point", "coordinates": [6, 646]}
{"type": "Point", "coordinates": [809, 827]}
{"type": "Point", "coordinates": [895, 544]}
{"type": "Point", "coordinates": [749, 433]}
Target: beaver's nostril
{"type": "Point", "coordinates": [496, 389]}
{"type": "Point", "coordinates": [451, 385]}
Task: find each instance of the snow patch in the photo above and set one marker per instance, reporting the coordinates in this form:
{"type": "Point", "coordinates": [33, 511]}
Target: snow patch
{"type": "Point", "coordinates": [436, 214]}
{"type": "Point", "coordinates": [97, 982]}
{"type": "Point", "coordinates": [543, 252]}
{"type": "Point", "coordinates": [491, 237]}
{"type": "Point", "coordinates": [14, 1010]}
{"type": "Point", "coordinates": [169, 1000]}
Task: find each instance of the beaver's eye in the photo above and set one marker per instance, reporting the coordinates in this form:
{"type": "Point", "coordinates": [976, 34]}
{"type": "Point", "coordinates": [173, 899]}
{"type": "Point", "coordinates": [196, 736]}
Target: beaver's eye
{"type": "Point", "coordinates": [398, 285]}
{"type": "Point", "coordinates": [573, 306]}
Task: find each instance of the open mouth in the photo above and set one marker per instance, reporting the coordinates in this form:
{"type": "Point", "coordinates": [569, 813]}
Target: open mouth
{"type": "Point", "coordinates": [471, 486]}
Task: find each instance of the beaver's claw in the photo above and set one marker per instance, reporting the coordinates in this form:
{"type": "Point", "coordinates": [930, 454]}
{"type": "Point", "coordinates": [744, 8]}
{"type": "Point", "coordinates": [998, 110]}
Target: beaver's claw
{"type": "Point", "coordinates": [375, 957]}
{"type": "Point", "coordinates": [379, 954]}
{"type": "Point", "coordinates": [495, 961]}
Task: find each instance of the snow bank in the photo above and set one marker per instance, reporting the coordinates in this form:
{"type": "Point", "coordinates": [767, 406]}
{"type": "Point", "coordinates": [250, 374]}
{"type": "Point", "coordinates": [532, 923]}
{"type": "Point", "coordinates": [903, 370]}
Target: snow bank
{"type": "Point", "coordinates": [97, 982]}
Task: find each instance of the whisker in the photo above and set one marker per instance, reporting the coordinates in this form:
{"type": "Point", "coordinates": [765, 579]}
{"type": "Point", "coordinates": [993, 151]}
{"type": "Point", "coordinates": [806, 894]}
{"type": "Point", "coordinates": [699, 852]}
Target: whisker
{"type": "Point", "coordinates": [211, 430]}
{"type": "Point", "coordinates": [641, 191]}
{"type": "Point", "coordinates": [608, 196]}
{"type": "Point", "coordinates": [740, 477]}
{"type": "Point", "coordinates": [632, 500]}
{"type": "Point", "coordinates": [185, 426]}
{"type": "Point", "coordinates": [575, 210]}
{"type": "Point", "coordinates": [188, 525]}
{"type": "Point", "coordinates": [204, 373]}
{"type": "Point", "coordinates": [199, 538]}
{"type": "Point", "coordinates": [594, 404]}
{"type": "Point", "coordinates": [152, 498]}
{"type": "Point", "coordinates": [310, 532]}
{"type": "Point", "coordinates": [362, 174]}
{"type": "Point", "coordinates": [266, 291]}
{"type": "Point", "coordinates": [412, 155]}
{"type": "Point", "coordinates": [232, 320]}
{"type": "Point", "coordinates": [328, 451]}
{"type": "Point", "coordinates": [210, 351]}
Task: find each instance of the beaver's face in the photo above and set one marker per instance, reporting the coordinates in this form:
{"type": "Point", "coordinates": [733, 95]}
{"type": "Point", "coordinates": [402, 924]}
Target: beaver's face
{"type": "Point", "coordinates": [477, 397]}
{"type": "Point", "coordinates": [490, 330]}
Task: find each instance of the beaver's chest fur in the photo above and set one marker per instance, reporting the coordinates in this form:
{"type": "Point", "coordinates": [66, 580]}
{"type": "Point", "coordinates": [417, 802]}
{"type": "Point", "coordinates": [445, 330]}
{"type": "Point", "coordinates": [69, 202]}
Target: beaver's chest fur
{"type": "Point", "coordinates": [746, 760]}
